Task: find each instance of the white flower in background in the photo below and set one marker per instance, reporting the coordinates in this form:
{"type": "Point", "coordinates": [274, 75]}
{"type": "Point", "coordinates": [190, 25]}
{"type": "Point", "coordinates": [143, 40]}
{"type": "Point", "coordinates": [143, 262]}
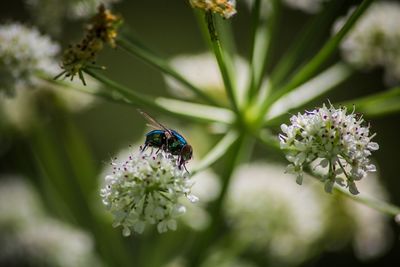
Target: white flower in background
{"type": "Point", "coordinates": [26, 206]}
{"type": "Point", "coordinates": [268, 211]}
{"type": "Point", "coordinates": [202, 70]}
{"type": "Point", "coordinates": [23, 51]}
{"type": "Point", "coordinates": [49, 14]}
{"type": "Point", "coordinates": [374, 40]}
{"type": "Point", "coordinates": [145, 189]}
{"type": "Point", "coordinates": [206, 187]}
{"type": "Point", "coordinates": [371, 228]}
{"type": "Point", "coordinates": [28, 233]}
{"type": "Point", "coordinates": [308, 6]}
{"type": "Point", "coordinates": [338, 141]}
{"type": "Point", "coordinates": [225, 8]}
{"type": "Point", "coordinates": [20, 111]}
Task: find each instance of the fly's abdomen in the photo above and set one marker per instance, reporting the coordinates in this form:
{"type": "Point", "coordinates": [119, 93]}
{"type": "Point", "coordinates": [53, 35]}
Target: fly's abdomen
{"type": "Point", "coordinates": [155, 138]}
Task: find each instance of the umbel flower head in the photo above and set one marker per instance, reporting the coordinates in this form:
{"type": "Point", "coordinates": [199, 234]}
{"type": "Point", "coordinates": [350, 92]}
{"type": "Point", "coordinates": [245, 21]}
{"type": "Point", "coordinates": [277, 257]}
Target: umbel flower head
{"type": "Point", "coordinates": [225, 8]}
{"type": "Point", "coordinates": [337, 140]}
{"type": "Point", "coordinates": [23, 51]}
{"type": "Point", "coordinates": [102, 29]}
{"type": "Point", "coordinates": [374, 40]}
{"type": "Point", "coordinates": [145, 189]}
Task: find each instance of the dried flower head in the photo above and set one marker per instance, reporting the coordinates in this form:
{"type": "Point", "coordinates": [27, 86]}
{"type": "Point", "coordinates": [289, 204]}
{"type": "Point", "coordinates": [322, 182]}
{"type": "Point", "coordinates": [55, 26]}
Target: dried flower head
{"type": "Point", "coordinates": [225, 8]}
{"type": "Point", "coordinates": [339, 141]}
{"type": "Point", "coordinates": [102, 29]}
{"type": "Point", "coordinates": [145, 189]}
{"type": "Point", "coordinates": [24, 51]}
{"type": "Point", "coordinates": [374, 40]}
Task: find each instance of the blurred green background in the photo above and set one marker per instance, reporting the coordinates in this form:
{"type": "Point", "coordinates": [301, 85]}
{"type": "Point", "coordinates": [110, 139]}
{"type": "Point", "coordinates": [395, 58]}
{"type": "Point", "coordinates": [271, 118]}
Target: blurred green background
{"type": "Point", "coordinates": [85, 141]}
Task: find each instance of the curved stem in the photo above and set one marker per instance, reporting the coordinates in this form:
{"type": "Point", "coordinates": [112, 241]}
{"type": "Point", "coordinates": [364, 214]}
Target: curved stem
{"type": "Point", "coordinates": [217, 152]}
{"type": "Point", "coordinates": [381, 206]}
{"type": "Point", "coordinates": [150, 57]}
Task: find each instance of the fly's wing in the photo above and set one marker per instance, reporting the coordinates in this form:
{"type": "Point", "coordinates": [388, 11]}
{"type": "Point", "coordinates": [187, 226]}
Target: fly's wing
{"type": "Point", "coordinates": [153, 123]}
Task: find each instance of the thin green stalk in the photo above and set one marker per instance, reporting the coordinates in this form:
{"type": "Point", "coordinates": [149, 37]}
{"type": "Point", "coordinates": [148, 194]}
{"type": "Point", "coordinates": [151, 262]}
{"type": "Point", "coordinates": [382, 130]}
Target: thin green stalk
{"type": "Point", "coordinates": [379, 104]}
{"type": "Point", "coordinates": [137, 49]}
{"type": "Point", "coordinates": [315, 63]}
{"type": "Point", "coordinates": [381, 206]}
{"type": "Point", "coordinates": [238, 150]}
{"type": "Point", "coordinates": [221, 57]}
{"type": "Point", "coordinates": [217, 152]}
{"type": "Point", "coordinates": [162, 104]}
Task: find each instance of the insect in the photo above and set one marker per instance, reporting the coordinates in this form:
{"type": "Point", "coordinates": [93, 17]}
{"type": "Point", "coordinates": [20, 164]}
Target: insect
{"type": "Point", "coordinates": [168, 140]}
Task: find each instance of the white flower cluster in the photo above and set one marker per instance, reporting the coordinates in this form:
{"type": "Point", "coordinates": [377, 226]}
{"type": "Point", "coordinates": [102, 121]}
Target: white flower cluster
{"type": "Point", "coordinates": [374, 40]}
{"type": "Point", "coordinates": [145, 189]}
{"type": "Point", "coordinates": [307, 6]}
{"type": "Point", "coordinates": [27, 231]}
{"type": "Point", "coordinates": [338, 140]}
{"type": "Point", "coordinates": [23, 51]}
{"type": "Point", "coordinates": [268, 211]}
{"type": "Point", "coordinates": [225, 8]}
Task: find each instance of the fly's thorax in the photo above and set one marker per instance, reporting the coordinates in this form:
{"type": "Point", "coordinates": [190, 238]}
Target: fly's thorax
{"type": "Point", "coordinates": [174, 145]}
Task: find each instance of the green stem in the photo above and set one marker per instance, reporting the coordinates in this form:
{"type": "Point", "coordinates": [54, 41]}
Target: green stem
{"type": "Point", "coordinates": [221, 57]}
{"type": "Point", "coordinates": [379, 104]}
{"type": "Point", "coordinates": [315, 63]}
{"type": "Point", "coordinates": [261, 51]}
{"type": "Point", "coordinates": [233, 157]}
{"type": "Point", "coordinates": [162, 104]}
{"type": "Point", "coordinates": [381, 206]}
{"type": "Point", "coordinates": [137, 49]}
{"type": "Point", "coordinates": [217, 152]}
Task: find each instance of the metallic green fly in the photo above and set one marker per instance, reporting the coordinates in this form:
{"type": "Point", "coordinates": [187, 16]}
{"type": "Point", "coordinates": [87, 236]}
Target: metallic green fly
{"type": "Point", "coordinates": [167, 140]}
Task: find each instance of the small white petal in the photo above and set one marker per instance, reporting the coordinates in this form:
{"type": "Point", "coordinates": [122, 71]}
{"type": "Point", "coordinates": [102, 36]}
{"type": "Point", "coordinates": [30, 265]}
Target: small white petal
{"type": "Point", "coordinates": [126, 232]}
{"type": "Point", "coordinates": [329, 186]}
{"type": "Point", "coordinates": [353, 188]}
{"type": "Point", "coordinates": [373, 146]}
{"type": "Point", "coordinates": [172, 224]}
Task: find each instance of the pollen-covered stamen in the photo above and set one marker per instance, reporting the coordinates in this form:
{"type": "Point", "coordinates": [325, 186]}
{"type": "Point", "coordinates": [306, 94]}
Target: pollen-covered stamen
{"type": "Point", "coordinates": [338, 140]}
